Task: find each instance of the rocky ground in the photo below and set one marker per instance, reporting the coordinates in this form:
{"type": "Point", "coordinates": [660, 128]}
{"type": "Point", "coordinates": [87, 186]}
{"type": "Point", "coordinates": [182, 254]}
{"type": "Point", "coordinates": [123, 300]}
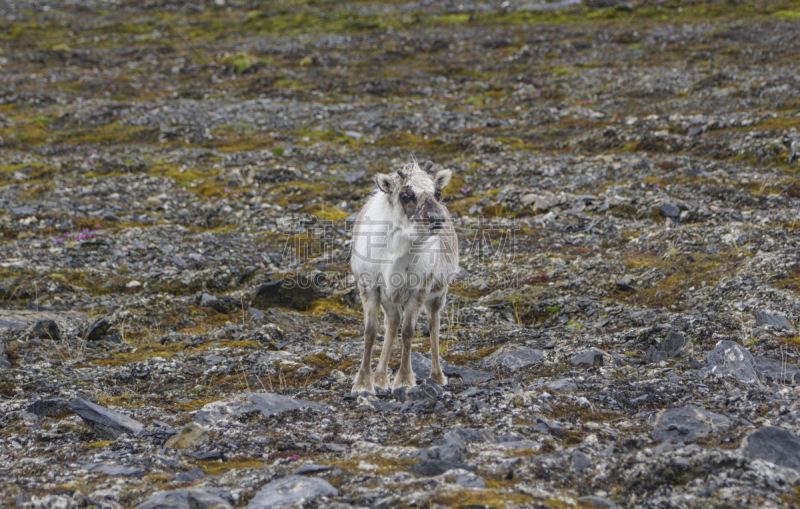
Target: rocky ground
{"type": "Point", "coordinates": [626, 199]}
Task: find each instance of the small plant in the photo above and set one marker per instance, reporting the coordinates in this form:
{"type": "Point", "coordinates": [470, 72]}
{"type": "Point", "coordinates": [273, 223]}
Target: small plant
{"type": "Point", "coordinates": [278, 151]}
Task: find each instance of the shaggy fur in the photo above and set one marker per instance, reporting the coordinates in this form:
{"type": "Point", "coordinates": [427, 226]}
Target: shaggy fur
{"type": "Point", "coordinates": [405, 256]}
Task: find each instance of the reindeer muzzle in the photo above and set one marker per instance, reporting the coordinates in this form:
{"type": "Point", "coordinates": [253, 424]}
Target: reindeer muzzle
{"type": "Point", "coordinates": [435, 221]}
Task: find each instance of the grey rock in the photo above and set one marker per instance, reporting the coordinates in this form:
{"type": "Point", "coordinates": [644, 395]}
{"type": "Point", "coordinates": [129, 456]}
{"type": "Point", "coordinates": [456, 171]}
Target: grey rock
{"type": "Point", "coordinates": [194, 474]}
{"type": "Point", "coordinates": [447, 452]}
{"type": "Point", "coordinates": [782, 372]}
{"type": "Point", "coordinates": [779, 321]}
{"type": "Point", "coordinates": [4, 363]}
{"type": "Point", "coordinates": [512, 358]}
{"type": "Point", "coordinates": [422, 391]}
{"type": "Point", "coordinates": [591, 357]}
{"type": "Point", "coordinates": [694, 131]}
{"type": "Point", "coordinates": [468, 376]}
{"type": "Point", "coordinates": [207, 455]}
{"type": "Point", "coordinates": [579, 461]}
{"type": "Point", "coordinates": [97, 330]}
{"type": "Point", "coordinates": [353, 176]}
{"type": "Point", "coordinates": [255, 314]}
{"type": "Point", "coordinates": [470, 480]}
{"type": "Point", "coordinates": [561, 386]}
{"type": "Point", "coordinates": [269, 404]}
{"type": "Point", "coordinates": [775, 445]}
{"type": "Point", "coordinates": [437, 467]}
{"type": "Point", "coordinates": [600, 501]}
{"type": "Point", "coordinates": [687, 423]}
{"type": "Point", "coordinates": [291, 490]}
{"type": "Point", "coordinates": [186, 499]}
{"type": "Point", "coordinates": [675, 345]}
{"type": "Point", "coordinates": [463, 436]}
{"type": "Point", "coordinates": [311, 468]}
{"type": "Point", "coordinates": [421, 366]}
{"type": "Point", "coordinates": [108, 424]}
{"type": "Point", "coordinates": [670, 210]}
{"type": "Point", "coordinates": [222, 304]}
{"type": "Point", "coordinates": [114, 470]}
{"type": "Point", "coordinates": [46, 329]}
{"type": "Point", "coordinates": [732, 359]}
{"type": "Point", "coordinates": [297, 293]}
{"type": "Point", "coordinates": [50, 408]}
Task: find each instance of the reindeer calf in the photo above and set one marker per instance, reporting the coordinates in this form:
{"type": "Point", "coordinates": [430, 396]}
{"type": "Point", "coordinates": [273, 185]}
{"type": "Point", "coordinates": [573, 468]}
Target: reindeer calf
{"type": "Point", "coordinates": [404, 256]}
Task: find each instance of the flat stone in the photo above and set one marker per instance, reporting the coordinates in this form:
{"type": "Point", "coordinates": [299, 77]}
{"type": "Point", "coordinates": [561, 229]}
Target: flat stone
{"type": "Point", "coordinates": [297, 293]}
{"type": "Point", "coordinates": [291, 490]}
{"type": "Point", "coordinates": [194, 474]}
{"type": "Point", "coordinates": [512, 358]}
{"type": "Point", "coordinates": [114, 470]}
{"type": "Point", "coordinates": [50, 407]}
{"type": "Point", "coordinates": [437, 467]}
{"type": "Point", "coordinates": [192, 435]}
{"type": "Point", "coordinates": [670, 210]}
{"type": "Point", "coordinates": [778, 446]}
{"type": "Point", "coordinates": [255, 314]}
{"type": "Point", "coordinates": [591, 357]}
{"type": "Point", "coordinates": [561, 386]}
{"type": "Point", "coordinates": [779, 321]}
{"type": "Point", "coordinates": [694, 131]}
{"type": "Point", "coordinates": [269, 404]}
{"type": "Point", "coordinates": [311, 468]}
{"type": "Point", "coordinates": [21, 319]}
{"type": "Point", "coordinates": [353, 176]}
{"type": "Point", "coordinates": [782, 372]}
{"type": "Point", "coordinates": [447, 452]}
{"type": "Point", "coordinates": [686, 424]}
{"type": "Point", "coordinates": [468, 376]}
{"type": "Point", "coordinates": [185, 499]}
{"type": "Point", "coordinates": [108, 424]}
{"type": "Point", "coordinates": [675, 345]}
{"type": "Point", "coordinates": [470, 480]}
{"type": "Point", "coordinates": [97, 330]}
{"type": "Point", "coordinates": [207, 455]}
{"type": "Point", "coordinates": [579, 461]}
{"type": "Point", "coordinates": [732, 359]}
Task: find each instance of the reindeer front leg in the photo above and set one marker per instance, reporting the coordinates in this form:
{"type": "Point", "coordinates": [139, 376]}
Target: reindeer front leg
{"type": "Point", "coordinates": [391, 323]}
{"type": "Point", "coordinates": [405, 375]}
{"type": "Point", "coordinates": [364, 381]}
{"type": "Point", "coordinates": [434, 312]}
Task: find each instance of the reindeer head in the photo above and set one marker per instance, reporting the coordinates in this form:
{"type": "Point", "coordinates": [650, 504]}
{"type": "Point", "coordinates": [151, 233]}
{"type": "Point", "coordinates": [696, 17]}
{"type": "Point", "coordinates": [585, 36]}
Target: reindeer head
{"type": "Point", "coordinates": [415, 195]}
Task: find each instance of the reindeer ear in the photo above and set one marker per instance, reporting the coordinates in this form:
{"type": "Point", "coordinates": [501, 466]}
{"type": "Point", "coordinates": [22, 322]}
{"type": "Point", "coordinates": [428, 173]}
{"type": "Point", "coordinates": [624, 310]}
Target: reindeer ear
{"type": "Point", "coordinates": [442, 178]}
{"type": "Point", "coordinates": [385, 183]}
{"type": "Point", "coordinates": [427, 167]}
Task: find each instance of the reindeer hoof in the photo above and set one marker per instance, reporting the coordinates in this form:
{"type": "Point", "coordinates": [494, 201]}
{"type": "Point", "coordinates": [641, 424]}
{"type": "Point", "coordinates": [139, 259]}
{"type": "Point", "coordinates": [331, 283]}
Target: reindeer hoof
{"type": "Point", "coordinates": [359, 389]}
{"type": "Point", "coordinates": [439, 379]}
{"type": "Point", "coordinates": [404, 382]}
{"type": "Point", "coordinates": [382, 380]}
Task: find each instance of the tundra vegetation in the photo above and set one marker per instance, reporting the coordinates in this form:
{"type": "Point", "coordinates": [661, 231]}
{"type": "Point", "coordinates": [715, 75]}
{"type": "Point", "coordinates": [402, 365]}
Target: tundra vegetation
{"type": "Point", "coordinates": [178, 183]}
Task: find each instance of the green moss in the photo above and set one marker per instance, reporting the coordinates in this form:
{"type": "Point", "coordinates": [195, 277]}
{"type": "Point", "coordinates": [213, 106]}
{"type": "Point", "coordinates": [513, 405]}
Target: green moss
{"type": "Point", "coordinates": [788, 14]}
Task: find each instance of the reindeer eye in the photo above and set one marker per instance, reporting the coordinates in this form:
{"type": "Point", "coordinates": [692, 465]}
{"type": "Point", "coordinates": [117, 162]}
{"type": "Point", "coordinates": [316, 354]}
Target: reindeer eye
{"type": "Point", "coordinates": [405, 196]}
{"type": "Point", "coordinates": [437, 195]}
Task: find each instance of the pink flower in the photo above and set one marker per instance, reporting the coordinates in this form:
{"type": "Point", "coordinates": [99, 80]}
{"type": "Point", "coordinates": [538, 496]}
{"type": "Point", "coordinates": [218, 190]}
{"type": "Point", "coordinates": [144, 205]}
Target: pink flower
{"type": "Point", "coordinates": [59, 240]}
{"type": "Point", "coordinates": [294, 458]}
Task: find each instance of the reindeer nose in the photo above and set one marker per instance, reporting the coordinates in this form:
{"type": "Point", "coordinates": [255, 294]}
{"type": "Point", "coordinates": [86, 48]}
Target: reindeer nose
{"type": "Point", "coordinates": [436, 220]}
